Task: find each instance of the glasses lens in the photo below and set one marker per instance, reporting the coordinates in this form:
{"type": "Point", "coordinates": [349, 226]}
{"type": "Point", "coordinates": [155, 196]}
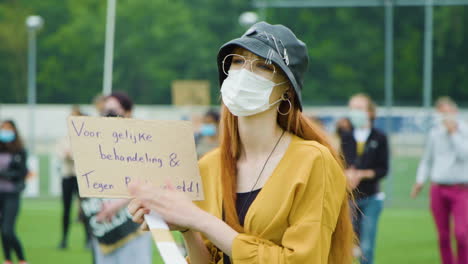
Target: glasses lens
{"type": "Point", "coordinates": [264, 69]}
{"type": "Point", "coordinates": [259, 66]}
{"type": "Point", "coordinates": [233, 62]}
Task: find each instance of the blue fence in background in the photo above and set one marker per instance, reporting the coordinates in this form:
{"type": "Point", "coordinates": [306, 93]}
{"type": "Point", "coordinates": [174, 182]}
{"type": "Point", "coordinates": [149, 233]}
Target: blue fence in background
{"type": "Point", "coordinates": [398, 124]}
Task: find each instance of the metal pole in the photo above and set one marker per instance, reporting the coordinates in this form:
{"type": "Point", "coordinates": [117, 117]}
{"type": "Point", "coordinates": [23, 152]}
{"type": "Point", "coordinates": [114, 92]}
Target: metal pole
{"type": "Point", "coordinates": [389, 28]}
{"type": "Point", "coordinates": [427, 62]}
{"type": "Point", "coordinates": [262, 11]}
{"type": "Point", "coordinates": [263, 15]}
{"type": "Point", "coordinates": [31, 87]}
{"type": "Point", "coordinates": [388, 63]}
{"type": "Point", "coordinates": [109, 47]}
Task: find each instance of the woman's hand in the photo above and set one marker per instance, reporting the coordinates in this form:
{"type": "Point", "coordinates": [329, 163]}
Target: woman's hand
{"type": "Point", "coordinates": [180, 213]}
{"type": "Point", "coordinates": [173, 206]}
{"type": "Point", "coordinates": [136, 209]}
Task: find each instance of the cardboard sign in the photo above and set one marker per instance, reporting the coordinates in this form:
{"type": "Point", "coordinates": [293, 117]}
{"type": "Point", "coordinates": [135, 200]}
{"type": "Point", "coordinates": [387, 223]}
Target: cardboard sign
{"type": "Point", "coordinates": [190, 92]}
{"type": "Point", "coordinates": [110, 153]}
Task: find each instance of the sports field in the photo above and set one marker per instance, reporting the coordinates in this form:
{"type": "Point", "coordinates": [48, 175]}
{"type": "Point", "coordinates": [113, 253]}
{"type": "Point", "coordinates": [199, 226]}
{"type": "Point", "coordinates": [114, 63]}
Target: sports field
{"type": "Point", "coordinates": [406, 231]}
{"type": "Point", "coordinates": [405, 236]}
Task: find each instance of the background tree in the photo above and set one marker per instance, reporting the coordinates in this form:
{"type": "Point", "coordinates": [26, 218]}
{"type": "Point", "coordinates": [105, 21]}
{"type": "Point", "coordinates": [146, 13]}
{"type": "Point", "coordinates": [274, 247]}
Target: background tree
{"type": "Point", "coordinates": [157, 42]}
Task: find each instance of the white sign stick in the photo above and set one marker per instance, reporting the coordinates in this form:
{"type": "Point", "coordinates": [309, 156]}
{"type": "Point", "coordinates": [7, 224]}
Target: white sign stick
{"type": "Point", "coordinates": [164, 241]}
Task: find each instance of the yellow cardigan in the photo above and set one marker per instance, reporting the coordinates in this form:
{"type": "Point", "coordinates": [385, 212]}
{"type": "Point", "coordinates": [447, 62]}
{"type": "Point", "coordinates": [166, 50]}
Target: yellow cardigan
{"type": "Point", "coordinates": [294, 215]}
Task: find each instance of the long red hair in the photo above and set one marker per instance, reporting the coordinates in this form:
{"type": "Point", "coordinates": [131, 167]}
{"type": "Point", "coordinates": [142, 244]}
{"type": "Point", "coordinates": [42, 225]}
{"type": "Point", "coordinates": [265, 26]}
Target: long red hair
{"type": "Point", "coordinates": [296, 123]}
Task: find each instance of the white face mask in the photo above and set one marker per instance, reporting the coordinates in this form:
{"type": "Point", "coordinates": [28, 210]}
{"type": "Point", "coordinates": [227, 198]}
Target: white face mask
{"type": "Point", "coordinates": [439, 118]}
{"type": "Point", "coordinates": [245, 93]}
{"type": "Point", "coordinates": [358, 118]}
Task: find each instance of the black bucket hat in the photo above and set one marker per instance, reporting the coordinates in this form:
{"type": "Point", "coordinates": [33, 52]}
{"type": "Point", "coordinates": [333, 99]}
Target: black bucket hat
{"type": "Point", "coordinates": [276, 43]}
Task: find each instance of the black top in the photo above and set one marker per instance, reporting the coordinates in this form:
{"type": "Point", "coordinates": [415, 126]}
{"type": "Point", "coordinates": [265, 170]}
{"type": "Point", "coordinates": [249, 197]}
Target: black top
{"type": "Point", "coordinates": [374, 157]}
{"type": "Point", "coordinates": [13, 171]}
{"type": "Point", "coordinates": [245, 200]}
{"type": "Point", "coordinates": [243, 203]}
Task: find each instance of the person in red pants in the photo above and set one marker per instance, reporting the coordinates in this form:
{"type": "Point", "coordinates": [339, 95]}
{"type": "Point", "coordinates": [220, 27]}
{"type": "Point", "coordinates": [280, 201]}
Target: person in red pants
{"type": "Point", "coordinates": [445, 161]}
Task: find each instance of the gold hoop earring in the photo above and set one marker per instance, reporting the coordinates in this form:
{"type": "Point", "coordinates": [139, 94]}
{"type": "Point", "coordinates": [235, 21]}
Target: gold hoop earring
{"type": "Point", "coordinates": [290, 106]}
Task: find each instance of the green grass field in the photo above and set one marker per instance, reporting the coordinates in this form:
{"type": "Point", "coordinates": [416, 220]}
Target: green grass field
{"type": "Point", "coordinates": [39, 229]}
{"type": "Point", "coordinates": [406, 231]}
{"type": "Point", "coordinates": [405, 236]}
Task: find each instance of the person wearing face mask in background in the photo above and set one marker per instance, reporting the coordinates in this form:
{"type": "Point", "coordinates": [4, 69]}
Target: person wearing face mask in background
{"type": "Point", "coordinates": [207, 138]}
{"type": "Point", "coordinates": [445, 163]}
{"type": "Point", "coordinates": [98, 101]}
{"type": "Point", "coordinates": [13, 171]}
{"type": "Point", "coordinates": [342, 127]}
{"type": "Point", "coordinates": [116, 238]}
{"type": "Point", "coordinates": [117, 104]}
{"type": "Point", "coordinates": [366, 153]}
{"type": "Point", "coordinates": [69, 184]}
{"type": "Point", "coordinates": [275, 191]}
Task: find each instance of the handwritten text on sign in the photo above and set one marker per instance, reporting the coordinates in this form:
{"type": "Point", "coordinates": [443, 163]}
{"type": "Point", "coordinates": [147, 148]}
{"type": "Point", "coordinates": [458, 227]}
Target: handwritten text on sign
{"type": "Point", "coordinates": [110, 153]}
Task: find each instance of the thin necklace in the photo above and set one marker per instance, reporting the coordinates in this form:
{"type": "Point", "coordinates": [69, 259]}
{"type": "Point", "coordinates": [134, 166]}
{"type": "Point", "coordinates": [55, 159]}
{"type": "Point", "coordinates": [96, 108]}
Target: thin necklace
{"type": "Point", "coordinates": [260, 174]}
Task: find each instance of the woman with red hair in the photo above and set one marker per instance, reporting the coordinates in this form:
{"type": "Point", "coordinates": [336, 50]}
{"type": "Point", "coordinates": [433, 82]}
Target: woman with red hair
{"type": "Point", "coordinates": [275, 191]}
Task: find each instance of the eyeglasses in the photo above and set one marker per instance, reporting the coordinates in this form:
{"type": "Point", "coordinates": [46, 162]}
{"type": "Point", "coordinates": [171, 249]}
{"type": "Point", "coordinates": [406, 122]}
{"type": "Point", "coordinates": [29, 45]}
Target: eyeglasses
{"type": "Point", "coordinates": [258, 66]}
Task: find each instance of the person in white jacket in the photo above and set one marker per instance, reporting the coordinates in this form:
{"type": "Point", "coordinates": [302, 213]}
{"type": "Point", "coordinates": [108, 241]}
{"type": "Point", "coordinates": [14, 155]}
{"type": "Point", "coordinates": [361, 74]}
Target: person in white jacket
{"type": "Point", "coordinates": [445, 162]}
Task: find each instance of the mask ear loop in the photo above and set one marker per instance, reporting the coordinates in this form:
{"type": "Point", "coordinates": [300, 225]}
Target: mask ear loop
{"type": "Point", "coordinates": [283, 98]}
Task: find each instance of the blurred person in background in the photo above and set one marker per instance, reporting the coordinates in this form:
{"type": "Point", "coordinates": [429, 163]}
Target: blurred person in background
{"type": "Point", "coordinates": [13, 171]}
{"type": "Point", "coordinates": [69, 182]}
{"type": "Point", "coordinates": [117, 104]}
{"type": "Point", "coordinates": [98, 102]}
{"type": "Point", "coordinates": [207, 138]}
{"type": "Point", "coordinates": [317, 121]}
{"type": "Point", "coordinates": [274, 190]}
{"type": "Point", "coordinates": [366, 153]}
{"type": "Point", "coordinates": [445, 162]}
{"type": "Point", "coordinates": [123, 242]}
{"type": "Point", "coordinates": [343, 126]}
